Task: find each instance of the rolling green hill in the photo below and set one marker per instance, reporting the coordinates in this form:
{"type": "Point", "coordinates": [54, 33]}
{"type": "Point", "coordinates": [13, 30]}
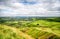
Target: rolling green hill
{"type": "Point", "coordinates": [30, 28]}
{"type": "Point", "coordinates": [7, 32]}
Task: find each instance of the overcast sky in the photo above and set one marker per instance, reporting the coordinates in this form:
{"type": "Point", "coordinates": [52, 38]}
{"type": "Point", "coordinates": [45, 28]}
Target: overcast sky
{"type": "Point", "coordinates": [29, 8]}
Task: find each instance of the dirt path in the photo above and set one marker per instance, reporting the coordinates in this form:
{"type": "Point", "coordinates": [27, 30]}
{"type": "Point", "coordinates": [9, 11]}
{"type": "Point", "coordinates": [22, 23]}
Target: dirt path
{"type": "Point", "coordinates": [45, 36]}
{"type": "Point", "coordinates": [26, 36]}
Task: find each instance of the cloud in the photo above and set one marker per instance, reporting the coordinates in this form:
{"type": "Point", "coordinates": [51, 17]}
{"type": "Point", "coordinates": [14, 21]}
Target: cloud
{"type": "Point", "coordinates": [26, 8]}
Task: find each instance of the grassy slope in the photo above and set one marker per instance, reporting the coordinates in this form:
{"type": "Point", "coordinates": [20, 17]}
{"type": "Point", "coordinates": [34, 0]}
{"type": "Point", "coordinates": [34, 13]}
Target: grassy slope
{"type": "Point", "coordinates": [54, 27]}
{"type": "Point", "coordinates": [46, 29]}
{"type": "Point", "coordinates": [38, 34]}
{"type": "Point", "coordinates": [7, 32]}
{"type": "Point", "coordinates": [46, 23]}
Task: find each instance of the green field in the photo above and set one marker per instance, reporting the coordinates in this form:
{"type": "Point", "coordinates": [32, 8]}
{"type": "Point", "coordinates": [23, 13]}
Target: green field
{"type": "Point", "coordinates": [30, 28]}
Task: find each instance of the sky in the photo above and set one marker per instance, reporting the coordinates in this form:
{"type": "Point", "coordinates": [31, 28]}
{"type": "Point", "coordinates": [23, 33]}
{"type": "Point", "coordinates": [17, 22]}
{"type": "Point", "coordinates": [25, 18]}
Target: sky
{"type": "Point", "coordinates": [48, 8]}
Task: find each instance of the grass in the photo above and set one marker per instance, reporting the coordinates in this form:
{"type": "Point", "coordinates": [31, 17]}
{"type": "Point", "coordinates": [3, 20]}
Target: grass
{"type": "Point", "coordinates": [46, 23]}
{"type": "Point", "coordinates": [7, 33]}
{"type": "Point", "coordinates": [38, 29]}
{"type": "Point", "coordinates": [39, 34]}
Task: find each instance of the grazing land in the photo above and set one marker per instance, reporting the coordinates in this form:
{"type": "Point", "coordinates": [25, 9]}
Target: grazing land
{"type": "Point", "coordinates": [29, 27]}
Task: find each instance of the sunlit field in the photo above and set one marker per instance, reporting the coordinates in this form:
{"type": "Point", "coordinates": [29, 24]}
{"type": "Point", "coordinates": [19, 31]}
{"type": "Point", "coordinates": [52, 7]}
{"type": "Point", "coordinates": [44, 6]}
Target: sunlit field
{"type": "Point", "coordinates": [30, 28]}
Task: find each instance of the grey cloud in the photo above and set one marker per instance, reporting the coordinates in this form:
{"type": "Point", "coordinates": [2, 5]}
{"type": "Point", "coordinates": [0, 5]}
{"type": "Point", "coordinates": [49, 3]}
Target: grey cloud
{"type": "Point", "coordinates": [48, 5]}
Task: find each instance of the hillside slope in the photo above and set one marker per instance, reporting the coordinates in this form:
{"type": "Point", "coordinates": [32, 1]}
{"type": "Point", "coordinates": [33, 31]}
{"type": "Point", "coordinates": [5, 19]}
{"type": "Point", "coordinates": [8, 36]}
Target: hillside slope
{"type": "Point", "coordinates": [7, 32]}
